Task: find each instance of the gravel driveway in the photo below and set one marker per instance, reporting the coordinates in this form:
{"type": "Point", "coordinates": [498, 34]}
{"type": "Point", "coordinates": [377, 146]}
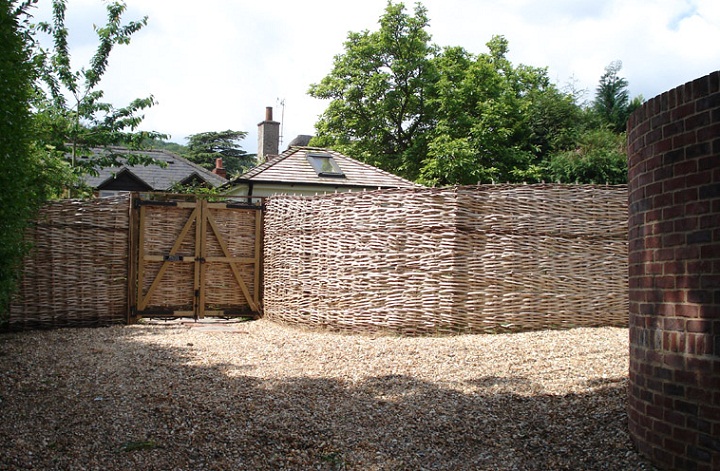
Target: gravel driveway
{"type": "Point", "coordinates": [260, 396]}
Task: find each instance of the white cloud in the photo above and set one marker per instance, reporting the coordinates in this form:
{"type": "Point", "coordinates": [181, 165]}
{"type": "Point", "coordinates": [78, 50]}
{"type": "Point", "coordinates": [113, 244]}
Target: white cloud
{"type": "Point", "coordinates": [216, 64]}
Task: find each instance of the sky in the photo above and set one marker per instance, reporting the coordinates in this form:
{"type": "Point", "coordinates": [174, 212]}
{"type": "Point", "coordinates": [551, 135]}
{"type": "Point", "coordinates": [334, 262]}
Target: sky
{"type": "Point", "coordinates": [214, 65]}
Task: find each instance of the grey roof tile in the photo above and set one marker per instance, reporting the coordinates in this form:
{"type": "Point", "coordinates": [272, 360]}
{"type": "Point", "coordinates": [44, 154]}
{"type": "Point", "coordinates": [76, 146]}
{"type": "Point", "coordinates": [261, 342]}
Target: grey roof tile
{"type": "Point", "coordinates": [178, 169]}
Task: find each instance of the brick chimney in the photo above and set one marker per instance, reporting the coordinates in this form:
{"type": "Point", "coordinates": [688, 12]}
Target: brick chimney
{"type": "Point", "coordinates": [268, 137]}
{"type": "Point", "coordinates": [219, 170]}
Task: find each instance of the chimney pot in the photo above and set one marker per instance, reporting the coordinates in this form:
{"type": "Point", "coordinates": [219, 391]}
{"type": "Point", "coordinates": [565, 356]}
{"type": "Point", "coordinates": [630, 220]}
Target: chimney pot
{"type": "Point", "coordinates": [268, 113]}
{"type": "Point", "coordinates": [219, 170]}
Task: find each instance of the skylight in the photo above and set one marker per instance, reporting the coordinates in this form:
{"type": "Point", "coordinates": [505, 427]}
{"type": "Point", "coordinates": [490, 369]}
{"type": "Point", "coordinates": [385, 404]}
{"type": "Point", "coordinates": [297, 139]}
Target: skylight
{"type": "Point", "coordinates": [325, 165]}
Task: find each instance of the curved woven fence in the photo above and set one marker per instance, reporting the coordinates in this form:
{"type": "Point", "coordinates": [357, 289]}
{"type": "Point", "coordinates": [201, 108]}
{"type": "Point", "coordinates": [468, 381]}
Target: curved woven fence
{"type": "Point", "coordinates": [457, 260]}
{"type": "Point", "coordinates": [76, 272]}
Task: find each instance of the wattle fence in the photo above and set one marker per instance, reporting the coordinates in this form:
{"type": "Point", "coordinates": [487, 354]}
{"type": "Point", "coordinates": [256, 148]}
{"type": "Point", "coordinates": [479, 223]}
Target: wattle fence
{"type": "Point", "coordinates": [455, 260]}
{"type": "Point", "coordinates": [76, 273]}
{"type": "Point", "coordinates": [412, 262]}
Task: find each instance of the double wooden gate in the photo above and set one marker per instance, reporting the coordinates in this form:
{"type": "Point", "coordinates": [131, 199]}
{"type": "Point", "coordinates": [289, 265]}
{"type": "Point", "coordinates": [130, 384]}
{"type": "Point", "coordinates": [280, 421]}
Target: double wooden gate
{"type": "Point", "coordinates": [196, 258]}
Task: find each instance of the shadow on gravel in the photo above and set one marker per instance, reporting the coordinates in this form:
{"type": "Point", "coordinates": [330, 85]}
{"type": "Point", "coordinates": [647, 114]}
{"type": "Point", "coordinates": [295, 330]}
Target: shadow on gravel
{"type": "Point", "coordinates": [92, 411]}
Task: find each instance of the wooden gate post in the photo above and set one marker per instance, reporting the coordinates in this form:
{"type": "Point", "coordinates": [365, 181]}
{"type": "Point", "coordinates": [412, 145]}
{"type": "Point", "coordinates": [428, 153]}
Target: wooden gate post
{"type": "Point", "coordinates": [134, 249]}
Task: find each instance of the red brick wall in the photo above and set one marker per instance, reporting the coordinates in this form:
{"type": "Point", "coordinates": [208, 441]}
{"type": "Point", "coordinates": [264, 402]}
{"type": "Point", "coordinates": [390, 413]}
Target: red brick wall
{"type": "Point", "coordinates": [674, 276]}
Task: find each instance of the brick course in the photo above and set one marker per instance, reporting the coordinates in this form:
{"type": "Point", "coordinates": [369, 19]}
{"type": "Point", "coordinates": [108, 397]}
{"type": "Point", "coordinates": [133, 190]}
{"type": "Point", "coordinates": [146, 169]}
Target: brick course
{"type": "Point", "coordinates": [674, 276]}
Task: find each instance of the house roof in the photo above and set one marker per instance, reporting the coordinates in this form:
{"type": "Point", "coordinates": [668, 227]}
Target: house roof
{"type": "Point", "coordinates": [177, 170]}
{"type": "Point", "coordinates": [293, 167]}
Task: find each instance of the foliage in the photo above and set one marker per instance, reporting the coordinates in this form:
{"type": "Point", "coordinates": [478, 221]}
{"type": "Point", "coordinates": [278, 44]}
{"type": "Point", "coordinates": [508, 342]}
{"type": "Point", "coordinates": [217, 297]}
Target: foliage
{"type": "Point", "coordinates": [482, 130]}
{"type": "Point", "coordinates": [598, 153]}
{"type": "Point", "coordinates": [379, 93]}
{"type": "Point", "coordinates": [51, 111]}
{"type": "Point", "coordinates": [555, 121]}
{"type": "Point", "coordinates": [600, 157]}
{"type": "Point", "coordinates": [446, 116]}
{"type": "Point", "coordinates": [203, 148]}
{"type": "Point", "coordinates": [198, 189]}
{"type": "Point", "coordinates": [20, 196]}
{"type": "Point", "coordinates": [173, 147]}
{"type": "Point", "coordinates": [437, 116]}
{"type": "Point", "coordinates": [612, 98]}
{"type": "Point", "coordinates": [71, 116]}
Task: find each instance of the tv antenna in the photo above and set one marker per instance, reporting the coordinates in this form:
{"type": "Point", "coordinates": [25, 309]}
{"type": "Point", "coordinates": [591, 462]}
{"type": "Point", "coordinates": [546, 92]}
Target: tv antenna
{"type": "Point", "coordinates": [281, 101]}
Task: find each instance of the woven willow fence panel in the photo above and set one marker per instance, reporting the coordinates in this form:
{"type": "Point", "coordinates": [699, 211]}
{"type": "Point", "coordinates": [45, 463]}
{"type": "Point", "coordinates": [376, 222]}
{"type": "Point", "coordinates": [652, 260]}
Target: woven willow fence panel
{"type": "Point", "coordinates": [460, 260]}
{"type": "Point", "coordinates": [76, 272]}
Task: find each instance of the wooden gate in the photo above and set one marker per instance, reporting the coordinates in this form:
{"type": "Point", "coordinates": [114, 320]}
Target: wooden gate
{"type": "Point", "coordinates": [196, 258]}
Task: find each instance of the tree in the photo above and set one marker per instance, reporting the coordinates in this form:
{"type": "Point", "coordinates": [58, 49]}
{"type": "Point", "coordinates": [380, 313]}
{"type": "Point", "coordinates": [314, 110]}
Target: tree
{"type": "Point", "coordinates": [482, 130]}
{"type": "Point", "coordinates": [71, 116]}
{"type": "Point", "coordinates": [437, 116]}
{"type": "Point", "coordinates": [173, 147]}
{"type": "Point", "coordinates": [447, 116]}
{"type": "Point", "coordinates": [599, 156]}
{"type": "Point", "coordinates": [379, 93]}
{"type": "Point", "coordinates": [612, 98]}
{"type": "Point", "coordinates": [598, 153]}
{"type": "Point", "coordinates": [20, 196]}
{"type": "Point", "coordinates": [203, 148]}
{"type": "Point", "coordinates": [555, 121]}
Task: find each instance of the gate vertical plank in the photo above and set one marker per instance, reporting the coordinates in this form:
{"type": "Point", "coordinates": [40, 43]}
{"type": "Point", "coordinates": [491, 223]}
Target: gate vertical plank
{"type": "Point", "coordinates": [200, 255]}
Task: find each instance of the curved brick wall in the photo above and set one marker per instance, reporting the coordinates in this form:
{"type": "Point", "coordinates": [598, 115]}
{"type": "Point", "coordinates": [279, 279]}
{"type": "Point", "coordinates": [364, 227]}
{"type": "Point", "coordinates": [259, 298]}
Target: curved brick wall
{"type": "Point", "coordinates": [674, 275]}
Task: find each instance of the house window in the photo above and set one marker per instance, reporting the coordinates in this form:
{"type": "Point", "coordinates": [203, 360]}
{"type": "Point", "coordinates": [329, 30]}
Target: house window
{"type": "Point", "coordinates": [325, 165]}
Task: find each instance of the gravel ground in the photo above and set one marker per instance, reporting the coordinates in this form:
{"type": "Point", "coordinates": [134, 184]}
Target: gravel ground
{"type": "Point", "coordinates": [260, 396]}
